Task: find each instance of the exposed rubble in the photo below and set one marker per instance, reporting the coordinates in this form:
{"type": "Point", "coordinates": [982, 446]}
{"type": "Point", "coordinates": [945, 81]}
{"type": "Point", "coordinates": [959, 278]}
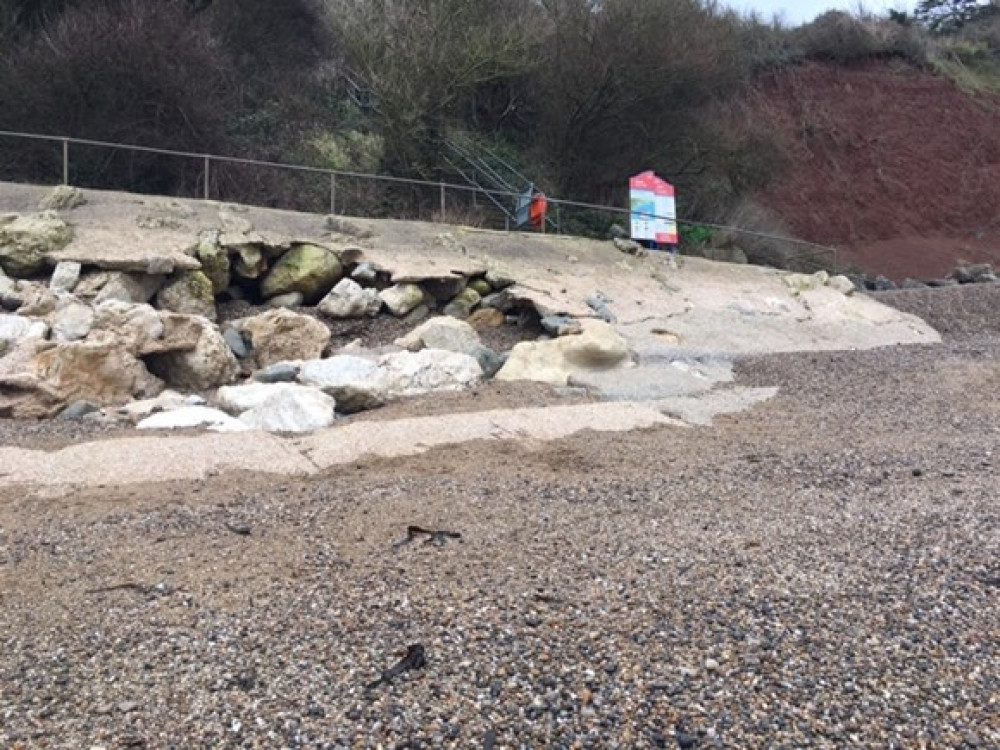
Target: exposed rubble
{"type": "Point", "coordinates": [98, 318]}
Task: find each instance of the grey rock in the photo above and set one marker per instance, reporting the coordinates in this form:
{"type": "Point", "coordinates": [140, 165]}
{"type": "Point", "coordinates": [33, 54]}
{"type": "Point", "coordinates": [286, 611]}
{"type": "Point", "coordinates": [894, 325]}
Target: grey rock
{"type": "Point", "coordinates": [937, 283]}
{"type": "Point", "coordinates": [418, 314]}
{"type": "Point", "coordinates": [501, 301]}
{"type": "Point", "coordinates": [72, 321]}
{"type": "Point", "coordinates": [913, 284]}
{"type": "Point", "coordinates": [237, 344]}
{"type": "Point", "coordinates": [463, 304]}
{"type": "Point", "coordinates": [280, 372]}
{"type": "Point", "coordinates": [292, 299]}
{"type": "Point", "coordinates": [499, 280]}
{"type": "Point", "coordinates": [349, 300]}
{"type": "Point", "coordinates": [629, 247]}
{"type": "Point", "coordinates": [365, 272]}
{"type": "Point", "coordinates": [14, 328]}
{"type": "Point", "coordinates": [598, 302]}
{"type": "Point", "coordinates": [65, 276]}
{"type": "Point", "coordinates": [883, 284]}
{"type": "Point", "coordinates": [62, 198]}
{"type": "Point", "coordinates": [291, 408]}
{"type": "Point", "coordinates": [355, 382]}
{"type": "Point", "coordinates": [402, 298]}
{"type": "Point", "coordinates": [77, 410]}
{"type": "Point", "coordinates": [188, 293]}
{"type": "Point", "coordinates": [413, 373]}
{"type": "Point", "coordinates": [444, 288]}
{"type": "Point", "coordinates": [127, 287]}
{"type": "Point", "coordinates": [561, 325]}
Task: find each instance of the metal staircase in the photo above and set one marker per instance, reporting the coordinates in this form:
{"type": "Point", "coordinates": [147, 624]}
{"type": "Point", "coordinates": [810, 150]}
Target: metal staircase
{"type": "Point", "coordinates": [484, 169]}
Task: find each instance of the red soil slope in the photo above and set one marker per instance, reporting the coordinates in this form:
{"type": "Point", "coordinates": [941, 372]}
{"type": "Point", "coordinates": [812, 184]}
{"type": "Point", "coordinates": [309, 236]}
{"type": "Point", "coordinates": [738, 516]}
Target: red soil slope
{"type": "Point", "coordinates": [896, 167]}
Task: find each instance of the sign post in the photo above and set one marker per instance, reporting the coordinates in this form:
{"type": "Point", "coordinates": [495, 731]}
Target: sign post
{"type": "Point", "coordinates": [653, 206]}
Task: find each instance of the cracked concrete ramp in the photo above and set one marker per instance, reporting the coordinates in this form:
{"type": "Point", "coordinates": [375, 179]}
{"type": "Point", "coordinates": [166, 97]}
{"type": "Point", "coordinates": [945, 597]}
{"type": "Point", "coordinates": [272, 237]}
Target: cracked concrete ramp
{"type": "Point", "coordinates": [164, 458]}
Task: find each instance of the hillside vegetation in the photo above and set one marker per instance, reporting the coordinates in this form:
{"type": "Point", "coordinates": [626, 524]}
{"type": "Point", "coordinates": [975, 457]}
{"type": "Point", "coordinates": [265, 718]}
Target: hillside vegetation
{"type": "Point", "coordinates": [574, 93]}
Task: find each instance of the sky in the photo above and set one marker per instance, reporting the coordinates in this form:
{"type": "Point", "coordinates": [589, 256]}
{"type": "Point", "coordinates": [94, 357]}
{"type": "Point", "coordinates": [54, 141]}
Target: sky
{"type": "Point", "coordinates": [802, 11]}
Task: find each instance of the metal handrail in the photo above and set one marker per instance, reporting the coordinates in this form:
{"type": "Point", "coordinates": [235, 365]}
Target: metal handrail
{"type": "Point", "coordinates": [207, 159]}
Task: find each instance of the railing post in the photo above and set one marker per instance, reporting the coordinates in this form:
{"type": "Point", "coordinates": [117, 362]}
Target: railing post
{"type": "Point", "coordinates": [558, 220]}
{"type": "Point", "coordinates": [65, 150]}
{"type": "Point", "coordinates": [207, 160]}
{"type": "Point", "coordinates": [442, 204]}
{"type": "Point", "coordinates": [333, 193]}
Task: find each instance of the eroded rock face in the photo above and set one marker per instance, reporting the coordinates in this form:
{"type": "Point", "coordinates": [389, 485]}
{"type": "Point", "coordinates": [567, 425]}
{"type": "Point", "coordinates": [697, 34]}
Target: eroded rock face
{"type": "Point", "coordinates": [598, 347]}
{"type": "Point", "coordinates": [309, 269]}
{"type": "Point", "coordinates": [278, 335]}
{"type": "Point", "coordinates": [99, 370]}
{"type": "Point", "coordinates": [26, 241]}
{"type": "Point", "coordinates": [209, 364]}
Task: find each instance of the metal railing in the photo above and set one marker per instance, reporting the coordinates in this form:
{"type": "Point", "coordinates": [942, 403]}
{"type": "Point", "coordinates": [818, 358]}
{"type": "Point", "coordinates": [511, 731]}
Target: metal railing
{"type": "Point", "coordinates": [812, 254]}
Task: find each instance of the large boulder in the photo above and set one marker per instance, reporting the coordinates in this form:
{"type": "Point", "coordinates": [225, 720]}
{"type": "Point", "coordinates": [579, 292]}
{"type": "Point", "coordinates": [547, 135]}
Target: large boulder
{"type": "Point", "coordinates": [452, 335]}
{"type": "Point", "coordinates": [209, 364]}
{"type": "Point", "coordinates": [99, 370]}
{"type": "Point", "coordinates": [214, 261]}
{"type": "Point", "coordinates": [442, 332]}
{"type": "Point", "coordinates": [355, 382]}
{"type": "Point", "coordinates": [348, 299]}
{"type": "Point", "coordinates": [281, 334]}
{"type": "Point", "coordinates": [23, 394]}
{"type": "Point", "coordinates": [188, 293]}
{"type": "Point", "coordinates": [413, 373]}
{"type": "Point", "coordinates": [599, 347]}
{"type": "Point", "coordinates": [309, 269]}
{"type": "Point", "coordinates": [237, 399]}
{"type": "Point", "coordinates": [26, 241]}
{"type": "Point", "coordinates": [291, 408]}
{"type": "Point", "coordinates": [402, 298]}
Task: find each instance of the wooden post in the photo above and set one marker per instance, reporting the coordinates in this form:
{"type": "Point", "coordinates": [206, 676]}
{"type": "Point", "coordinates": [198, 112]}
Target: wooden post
{"type": "Point", "coordinates": [65, 155]}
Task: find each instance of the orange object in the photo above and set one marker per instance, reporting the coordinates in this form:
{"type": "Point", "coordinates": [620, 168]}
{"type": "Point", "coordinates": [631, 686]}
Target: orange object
{"type": "Point", "coordinates": [539, 207]}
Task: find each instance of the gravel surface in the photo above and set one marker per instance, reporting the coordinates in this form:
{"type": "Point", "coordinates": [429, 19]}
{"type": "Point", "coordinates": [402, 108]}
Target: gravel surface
{"type": "Point", "coordinates": [819, 572]}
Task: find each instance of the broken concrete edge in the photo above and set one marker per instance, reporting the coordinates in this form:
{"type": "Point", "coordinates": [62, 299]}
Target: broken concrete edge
{"type": "Point", "coordinates": [195, 458]}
